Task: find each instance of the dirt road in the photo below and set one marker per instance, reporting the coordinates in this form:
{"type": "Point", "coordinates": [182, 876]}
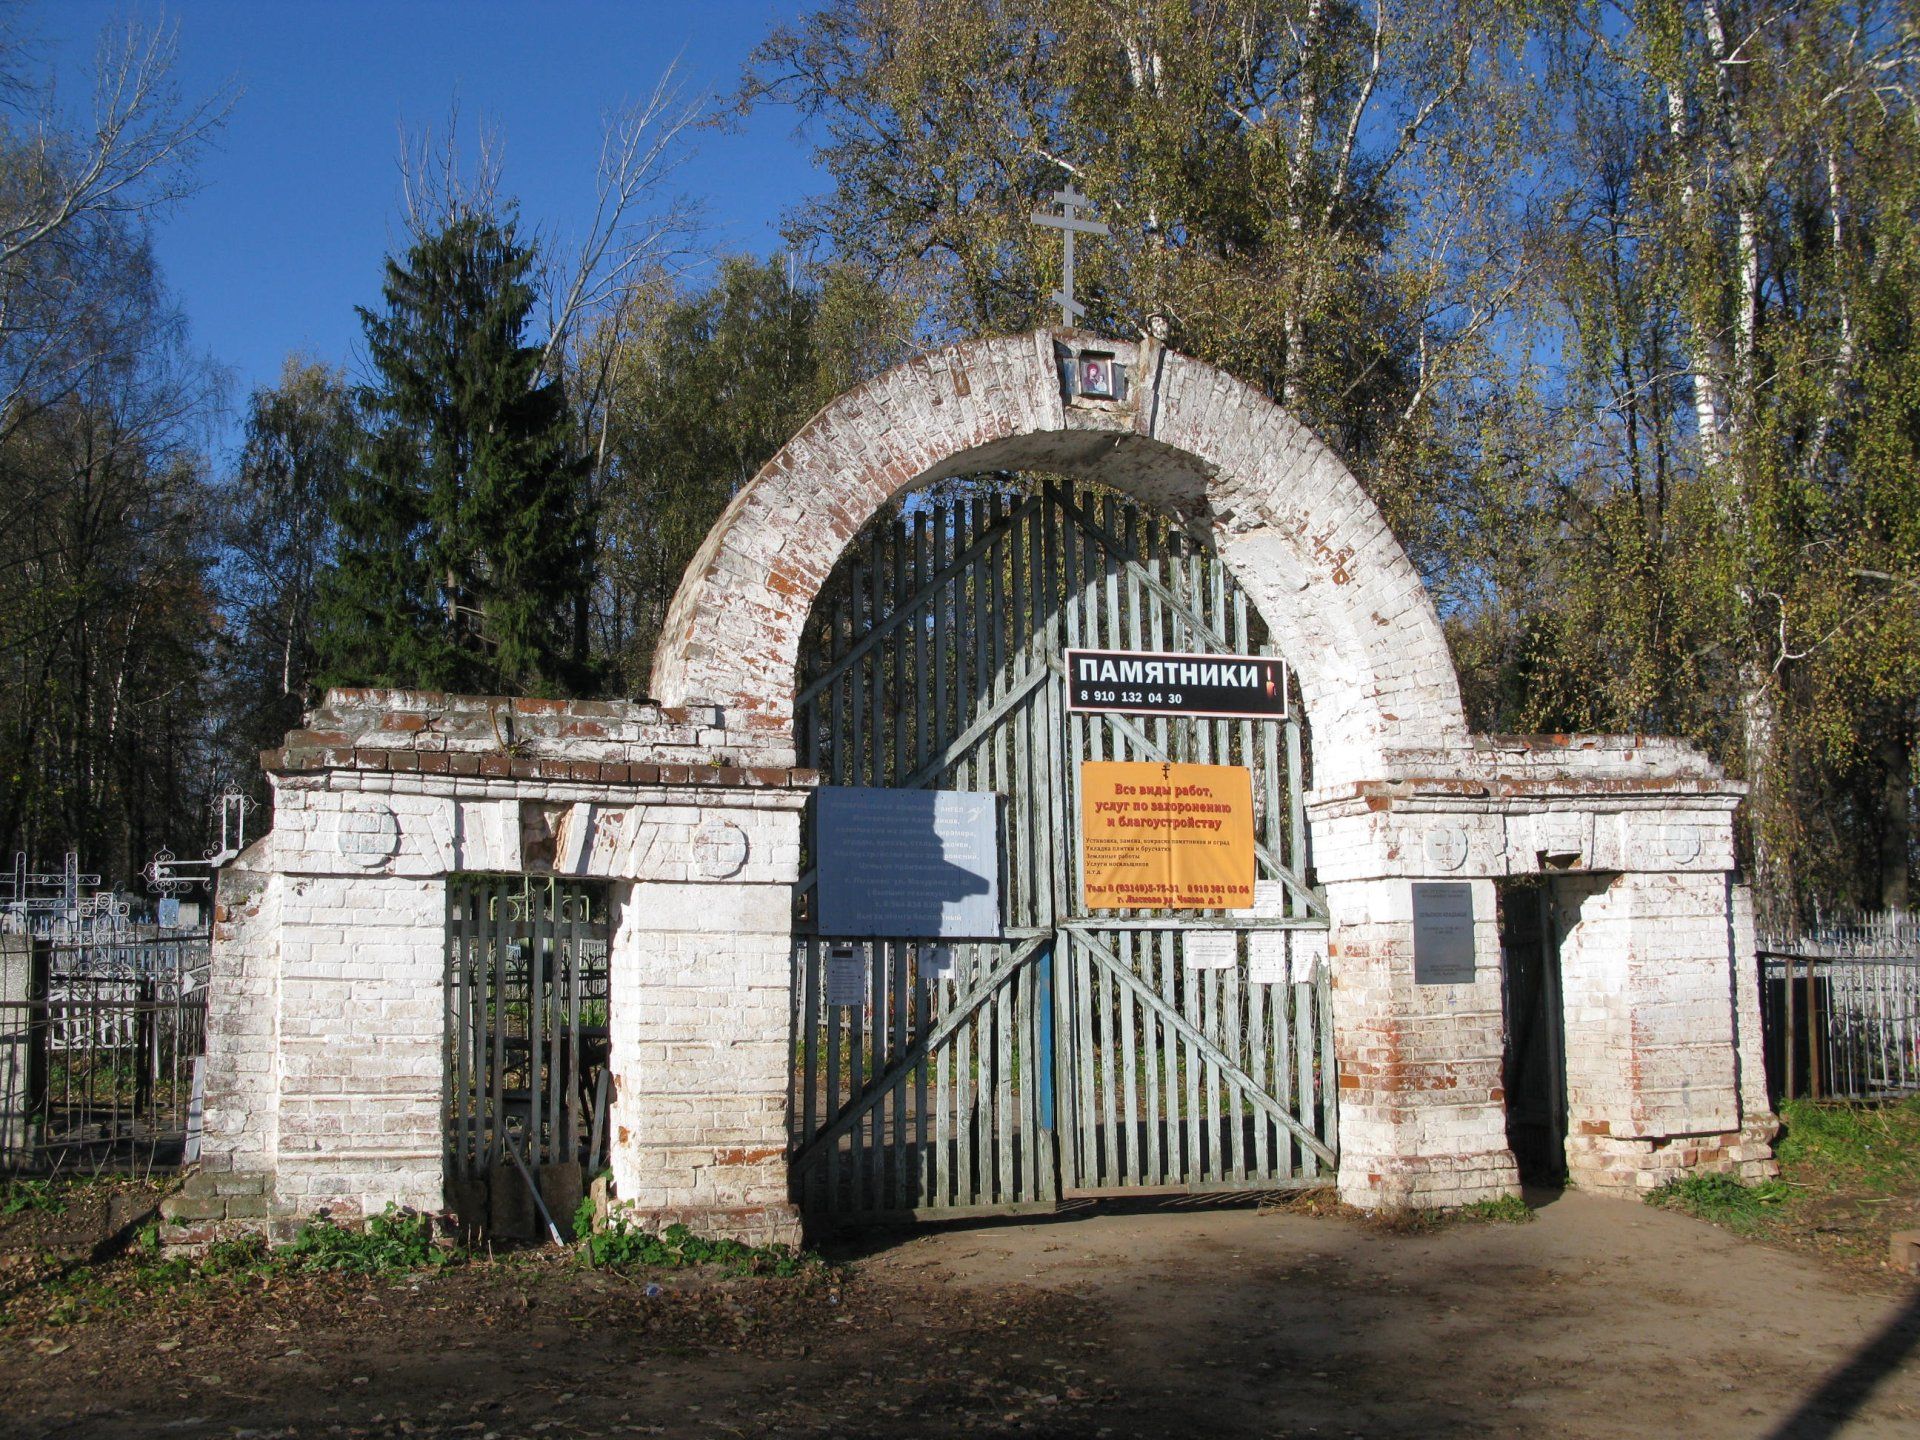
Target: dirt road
{"type": "Point", "coordinates": [1600, 1318]}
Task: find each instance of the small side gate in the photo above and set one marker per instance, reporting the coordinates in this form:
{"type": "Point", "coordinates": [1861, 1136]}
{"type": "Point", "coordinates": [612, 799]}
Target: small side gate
{"type": "Point", "coordinates": [527, 1046]}
{"type": "Point", "coordinates": [1077, 1053]}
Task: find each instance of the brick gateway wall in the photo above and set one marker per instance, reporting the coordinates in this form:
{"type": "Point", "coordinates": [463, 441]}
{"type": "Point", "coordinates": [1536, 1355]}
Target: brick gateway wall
{"type": "Point", "coordinates": [325, 1059]}
{"type": "Point", "coordinates": [1663, 1069]}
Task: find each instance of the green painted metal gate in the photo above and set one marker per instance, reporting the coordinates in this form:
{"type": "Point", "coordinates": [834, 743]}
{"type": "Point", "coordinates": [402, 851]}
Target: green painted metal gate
{"type": "Point", "coordinates": [1076, 1053]}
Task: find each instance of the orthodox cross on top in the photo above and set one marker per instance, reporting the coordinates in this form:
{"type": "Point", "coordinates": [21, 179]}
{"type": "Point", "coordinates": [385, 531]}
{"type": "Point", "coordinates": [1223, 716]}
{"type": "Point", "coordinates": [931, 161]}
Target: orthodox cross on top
{"type": "Point", "coordinates": [1070, 201]}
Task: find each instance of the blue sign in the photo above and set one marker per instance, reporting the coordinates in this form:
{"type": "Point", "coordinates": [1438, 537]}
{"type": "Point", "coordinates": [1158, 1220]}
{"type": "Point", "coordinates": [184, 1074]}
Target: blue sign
{"type": "Point", "coordinates": [908, 864]}
{"type": "Point", "coordinates": [168, 913]}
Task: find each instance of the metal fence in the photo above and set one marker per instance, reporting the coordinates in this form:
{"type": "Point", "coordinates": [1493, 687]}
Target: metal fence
{"type": "Point", "coordinates": [1841, 1005]}
{"type": "Point", "coordinates": [100, 1044]}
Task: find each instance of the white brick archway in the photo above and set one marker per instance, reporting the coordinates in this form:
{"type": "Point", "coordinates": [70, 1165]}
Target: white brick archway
{"type": "Point", "coordinates": [1340, 597]}
{"type": "Point", "coordinates": [1402, 790]}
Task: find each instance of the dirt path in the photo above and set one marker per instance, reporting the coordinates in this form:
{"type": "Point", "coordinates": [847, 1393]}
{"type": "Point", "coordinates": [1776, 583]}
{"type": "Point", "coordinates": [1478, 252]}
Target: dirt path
{"type": "Point", "coordinates": [1598, 1319]}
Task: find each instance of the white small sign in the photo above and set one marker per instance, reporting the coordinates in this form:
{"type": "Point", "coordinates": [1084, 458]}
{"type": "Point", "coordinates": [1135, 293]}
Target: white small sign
{"type": "Point", "coordinates": [936, 962]}
{"type": "Point", "coordinates": [1309, 954]}
{"type": "Point", "coordinates": [1211, 949]}
{"type": "Point", "coordinates": [847, 975]}
{"type": "Point", "coordinates": [1269, 901]}
{"type": "Point", "coordinates": [1267, 962]}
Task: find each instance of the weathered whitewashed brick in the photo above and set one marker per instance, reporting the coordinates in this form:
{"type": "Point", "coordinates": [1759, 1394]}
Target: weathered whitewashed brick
{"type": "Point", "coordinates": [325, 1058]}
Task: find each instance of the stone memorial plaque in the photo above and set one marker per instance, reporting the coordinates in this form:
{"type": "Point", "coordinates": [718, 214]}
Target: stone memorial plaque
{"type": "Point", "coordinates": [908, 863]}
{"type": "Point", "coordinates": [1442, 932]}
{"type": "Point", "coordinates": [1210, 949]}
{"type": "Point", "coordinates": [1267, 962]}
{"type": "Point", "coordinates": [847, 975]}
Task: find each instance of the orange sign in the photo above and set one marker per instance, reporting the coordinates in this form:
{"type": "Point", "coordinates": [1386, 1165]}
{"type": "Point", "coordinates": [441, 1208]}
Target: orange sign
{"type": "Point", "coordinates": [1174, 837]}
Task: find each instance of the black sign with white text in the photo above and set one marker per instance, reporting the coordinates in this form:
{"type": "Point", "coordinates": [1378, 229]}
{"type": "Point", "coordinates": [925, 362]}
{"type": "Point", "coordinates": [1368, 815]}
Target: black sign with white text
{"type": "Point", "coordinates": [1238, 687]}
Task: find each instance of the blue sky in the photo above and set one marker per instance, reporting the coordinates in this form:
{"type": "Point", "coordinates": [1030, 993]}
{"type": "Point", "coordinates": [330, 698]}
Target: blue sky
{"type": "Point", "coordinates": [299, 202]}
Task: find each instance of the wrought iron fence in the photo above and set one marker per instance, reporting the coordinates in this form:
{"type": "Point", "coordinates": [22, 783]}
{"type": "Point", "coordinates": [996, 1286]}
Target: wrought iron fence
{"type": "Point", "coordinates": [100, 1045]}
{"type": "Point", "coordinates": [1841, 1005]}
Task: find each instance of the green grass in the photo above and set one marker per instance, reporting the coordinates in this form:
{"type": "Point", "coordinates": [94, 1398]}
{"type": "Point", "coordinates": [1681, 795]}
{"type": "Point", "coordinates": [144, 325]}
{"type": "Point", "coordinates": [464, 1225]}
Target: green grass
{"type": "Point", "coordinates": [619, 1246]}
{"type": "Point", "coordinates": [1839, 1165]}
{"type": "Point", "coordinates": [1423, 1219]}
{"type": "Point", "coordinates": [1507, 1210]}
{"type": "Point", "coordinates": [1721, 1199]}
{"type": "Point", "coordinates": [1870, 1149]}
{"type": "Point", "coordinates": [394, 1241]}
{"type": "Point", "coordinates": [23, 1196]}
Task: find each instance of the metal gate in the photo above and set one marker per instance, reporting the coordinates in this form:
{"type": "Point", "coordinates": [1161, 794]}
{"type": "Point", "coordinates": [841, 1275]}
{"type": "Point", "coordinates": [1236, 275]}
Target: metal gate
{"type": "Point", "coordinates": [101, 1043]}
{"type": "Point", "coordinates": [527, 1039]}
{"type": "Point", "coordinates": [1077, 1053]}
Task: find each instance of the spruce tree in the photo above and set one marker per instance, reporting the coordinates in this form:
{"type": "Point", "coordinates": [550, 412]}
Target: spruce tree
{"type": "Point", "coordinates": [462, 543]}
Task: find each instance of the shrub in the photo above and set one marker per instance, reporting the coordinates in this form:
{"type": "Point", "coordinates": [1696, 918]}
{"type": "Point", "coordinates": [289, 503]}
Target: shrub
{"type": "Point", "coordinates": [393, 1240]}
{"type": "Point", "coordinates": [619, 1246]}
{"type": "Point", "coordinates": [1507, 1210]}
{"type": "Point", "coordinates": [1719, 1198]}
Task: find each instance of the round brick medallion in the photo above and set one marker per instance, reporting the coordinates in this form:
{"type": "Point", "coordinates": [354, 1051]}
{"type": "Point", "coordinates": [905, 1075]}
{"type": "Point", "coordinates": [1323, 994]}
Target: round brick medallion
{"type": "Point", "coordinates": [367, 835]}
{"type": "Point", "coordinates": [720, 849]}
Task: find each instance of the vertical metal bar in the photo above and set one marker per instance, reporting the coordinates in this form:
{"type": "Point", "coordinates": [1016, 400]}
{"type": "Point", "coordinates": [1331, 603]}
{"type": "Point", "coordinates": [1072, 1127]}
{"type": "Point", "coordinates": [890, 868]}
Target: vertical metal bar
{"type": "Point", "coordinates": [477, 991]}
{"type": "Point", "coordinates": [922, 719]}
{"type": "Point", "coordinates": [943, 604]}
{"type": "Point", "coordinates": [501, 902]}
{"type": "Point", "coordinates": [1018, 728]}
{"type": "Point", "coordinates": [1282, 1084]}
{"type": "Point", "coordinates": [1787, 1033]}
{"type": "Point", "coordinates": [1045, 1072]}
{"type": "Point", "coordinates": [537, 913]}
{"type": "Point", "coordinates": [963, 639]}
{"type": "Point", "coordinates": [450, 1048]}
{"type": "Point", "coordinates": [576, 1069]}
{"type": "Point", "coordinates": [1257, 1004]}
{"type": "Point", "coordinates": [996, 558]}
{"type": "Point", "coordinates": [855, 677]}
{"type": "Point", "coordinates": [1329, 1130]}
{"type": "Point", "coordinates": [922, 1189]}
{"type": "Point", "coordinates": [1003, 1100]}
{"type": "Point", "coordinates": [1189, 1008]}
{"type": "Point", "coordinates": [461, 1034]}
{"type": "Point", "coordinates": [1813, 1032]}
{"type": "Point", "coordinates": [1156, 619]}
{"type": "Point", "coordinates": [880, 984]}
{"type": "Point", "coordinates": [943, 1133]}
{"type": "Point", "coordinates": [1210, 1088]}
{"type": "Point", "coordinates": [966, 1192]}
{"type": "Point", "coordinates": [1303, 1019]}
{"type": "Point", "coordinates": [1061, 821]}
{"type": "Point", "coordinates": [1086, 1122]}
{"type": "Point", "coordinates": [810, 1033]}
{"type": "Point", "coordinates": [1233, 1030]}
{"type": "Point", "coordinates": [836, 1064]}
{"type": "Point", "coordinates": [872, 667]}
{"type": "Point", "coordinates": [900, 642]}
{"type": "Point", "coordinates": [901, 1001]}
{"type": "Point", "coordinates": [1026, 1116]}
{"type": "Point", "coordinates": [1296, 793]}
{"type": "Point", "coordinates": [1152, 1043]}
{"type": "Point", "coordinates": [1107, 1042]}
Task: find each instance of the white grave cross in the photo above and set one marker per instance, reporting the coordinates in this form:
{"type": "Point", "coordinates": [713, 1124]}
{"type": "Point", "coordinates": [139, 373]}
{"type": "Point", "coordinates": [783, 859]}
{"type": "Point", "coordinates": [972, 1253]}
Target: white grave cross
{"type": "Point", "coordinates": [1069, 220]}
